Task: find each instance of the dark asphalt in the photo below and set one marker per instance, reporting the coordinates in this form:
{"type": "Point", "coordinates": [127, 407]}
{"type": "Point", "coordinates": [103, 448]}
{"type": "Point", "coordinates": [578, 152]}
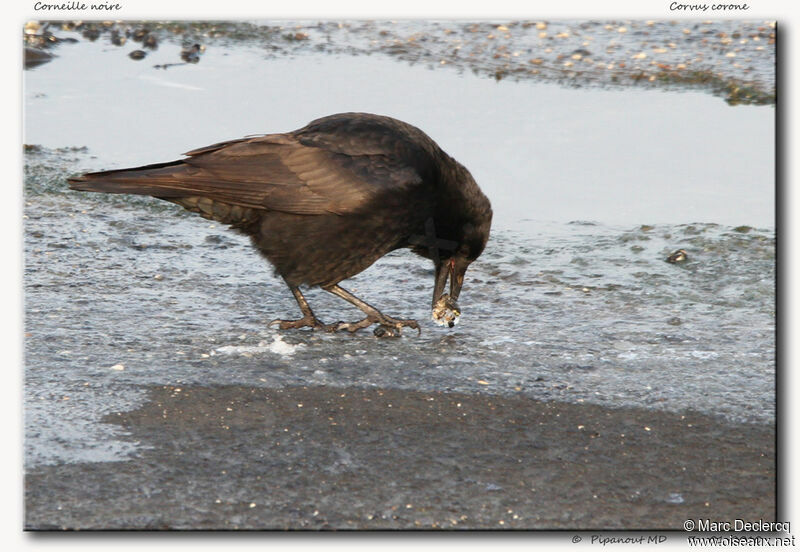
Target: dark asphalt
{"type": "Point", "coordinates": [345, 458]}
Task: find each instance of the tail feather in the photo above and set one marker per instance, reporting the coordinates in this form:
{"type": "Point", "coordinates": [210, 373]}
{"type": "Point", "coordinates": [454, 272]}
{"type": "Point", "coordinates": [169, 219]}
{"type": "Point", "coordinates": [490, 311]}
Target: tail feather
{"type": "Point", "coordinates": [171, 181]}
{"type": "Point", "coordinates": [175, 182]}
{"type": "Point", "coordinates": [153, 180]}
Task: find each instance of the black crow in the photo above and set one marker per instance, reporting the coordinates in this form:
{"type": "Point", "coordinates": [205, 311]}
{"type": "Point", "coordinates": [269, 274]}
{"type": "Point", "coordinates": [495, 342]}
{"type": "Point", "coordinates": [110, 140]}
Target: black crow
{"type": "Point", "coordinates": [324, 202]}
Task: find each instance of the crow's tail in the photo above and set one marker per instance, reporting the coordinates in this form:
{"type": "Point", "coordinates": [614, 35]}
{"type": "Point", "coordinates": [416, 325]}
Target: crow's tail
{"type": "Point", "coordinates": [154, 180]}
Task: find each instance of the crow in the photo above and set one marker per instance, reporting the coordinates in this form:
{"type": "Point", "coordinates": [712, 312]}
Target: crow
{"type": "Point", "coordinates": [324, 202]}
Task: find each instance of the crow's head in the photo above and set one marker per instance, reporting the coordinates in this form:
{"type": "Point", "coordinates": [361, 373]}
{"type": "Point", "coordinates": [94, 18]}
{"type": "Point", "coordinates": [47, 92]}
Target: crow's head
{"type": "Point", "coordinates": [452, 265]}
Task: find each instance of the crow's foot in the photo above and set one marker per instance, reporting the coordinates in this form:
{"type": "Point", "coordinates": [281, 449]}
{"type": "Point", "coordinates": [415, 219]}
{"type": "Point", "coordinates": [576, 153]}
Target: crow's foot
{"type": "Point", "coordinates": [353, 327]}
{"type": "Point", "coordinates": [394, 326]}
{"type": "Point", "coordinates": [305, 322]}
{"type": "Point", "coordinates": [389, 327]}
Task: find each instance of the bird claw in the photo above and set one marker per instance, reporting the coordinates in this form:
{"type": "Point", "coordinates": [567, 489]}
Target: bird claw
{"type": "Point", "coordinates": [353, 327]}
{"type": "Point", "coordinates": [305, 322]}
{"type": "Point", "coordinates": [388, 327]}
{"type": "Point", "coordinates": [392, 327]}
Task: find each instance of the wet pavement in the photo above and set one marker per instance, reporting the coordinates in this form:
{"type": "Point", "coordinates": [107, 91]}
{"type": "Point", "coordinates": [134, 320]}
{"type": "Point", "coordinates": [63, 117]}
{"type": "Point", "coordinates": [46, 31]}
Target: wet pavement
{"type": "Point", "coordinates": [234, 457]}
{"type": "Point", "coordinates": [589, 384]}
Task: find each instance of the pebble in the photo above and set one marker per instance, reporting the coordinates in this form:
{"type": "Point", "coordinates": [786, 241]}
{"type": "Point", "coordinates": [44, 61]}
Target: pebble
{"type": "Point", "coordinates": [678, 256]}
{"type": "Point", "coordinates": [150, 42]}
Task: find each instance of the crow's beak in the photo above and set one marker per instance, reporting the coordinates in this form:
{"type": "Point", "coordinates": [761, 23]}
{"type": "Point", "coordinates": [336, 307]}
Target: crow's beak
{"type": "Point", "coordinates": [443, 271]}
{"type": "Point", "coordinates": [446, 311]}
{"type": "Point", "coordinates": [452, 269]}
{"type": "Point", "coordinates": [457, 277]}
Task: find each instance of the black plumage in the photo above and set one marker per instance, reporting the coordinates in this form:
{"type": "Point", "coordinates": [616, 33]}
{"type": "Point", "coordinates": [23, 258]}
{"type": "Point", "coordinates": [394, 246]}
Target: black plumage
{"type": "Point", "coordinates": [325, 202]}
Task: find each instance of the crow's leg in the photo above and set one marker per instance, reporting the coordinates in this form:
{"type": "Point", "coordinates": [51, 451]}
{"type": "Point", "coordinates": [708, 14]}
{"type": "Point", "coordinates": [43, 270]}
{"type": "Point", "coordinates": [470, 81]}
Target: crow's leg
{"type": "Point", "coordinates": [388, 326]}
{"type": "Point", "coordinates": [308, 320]}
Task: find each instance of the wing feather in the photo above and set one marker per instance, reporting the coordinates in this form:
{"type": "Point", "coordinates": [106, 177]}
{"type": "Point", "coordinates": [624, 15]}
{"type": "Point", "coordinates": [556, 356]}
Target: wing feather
{"type": "Point", "coordinates": [274, 172]}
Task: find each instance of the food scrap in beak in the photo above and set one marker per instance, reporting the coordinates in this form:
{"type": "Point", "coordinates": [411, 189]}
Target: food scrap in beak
{"type": "Point", "coordinates": [446, 311]}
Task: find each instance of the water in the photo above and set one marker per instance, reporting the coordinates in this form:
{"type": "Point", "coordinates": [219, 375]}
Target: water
{"type": "Point", "coordinates": [539, 151]}
{"type": "Point", "coordinates": [572, 300]}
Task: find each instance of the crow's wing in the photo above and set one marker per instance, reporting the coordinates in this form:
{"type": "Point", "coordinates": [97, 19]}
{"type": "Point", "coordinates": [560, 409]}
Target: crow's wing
{"type": "Point", "coordinates": [275, 172]}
